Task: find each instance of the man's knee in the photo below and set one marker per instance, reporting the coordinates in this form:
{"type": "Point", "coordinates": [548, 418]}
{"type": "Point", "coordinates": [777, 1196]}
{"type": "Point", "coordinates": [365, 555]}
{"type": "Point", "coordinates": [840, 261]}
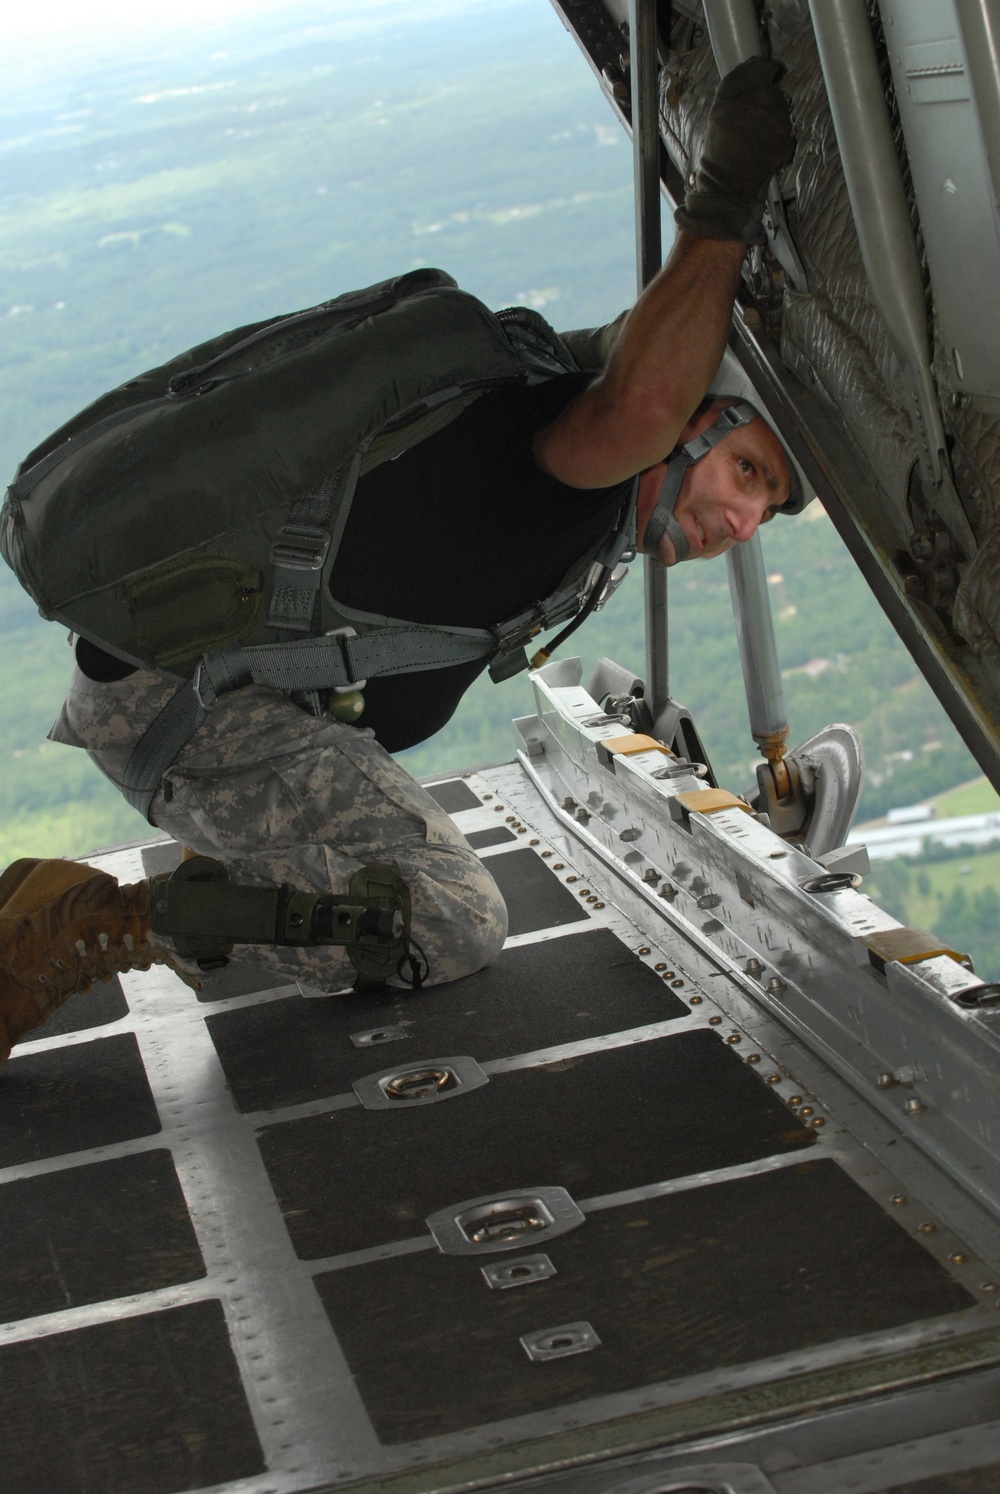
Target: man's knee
{"type": "Point", "coordinates": [459, 918]}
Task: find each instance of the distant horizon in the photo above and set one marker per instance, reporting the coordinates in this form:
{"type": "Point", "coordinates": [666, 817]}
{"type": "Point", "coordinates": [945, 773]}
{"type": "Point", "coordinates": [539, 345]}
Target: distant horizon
{"type": "Point", "coordinates": [53, 35]}
{"type": "Point", "coordinates": [107, 18]}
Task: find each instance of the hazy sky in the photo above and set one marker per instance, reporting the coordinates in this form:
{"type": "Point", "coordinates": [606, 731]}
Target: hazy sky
{"type": "Point", "coordinates": [46, 19]}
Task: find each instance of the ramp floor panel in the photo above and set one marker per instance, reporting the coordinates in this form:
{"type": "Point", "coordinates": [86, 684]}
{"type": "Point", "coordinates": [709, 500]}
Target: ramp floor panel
{"type": "Point", "coordinates": [216, 1269]}
{"type": "Point", "coordinates": [103, 1004]}
{"type": "Point", "coordinates": [594, 1123]}
{"type": "Point", "coordinates": [146, 1405]}
{"type": "Point", "coordinates": [454, 795]}
{"type": "Point", "coordinates": [73, 1098]}
{"type": "Point", "coordinates": [535, 898]}
{"type": "Point", "coordinates": [672, 1286]}
{"type": "Point", "coordinates": [481, 840]}
{"type": "Point", "coordinates": [970, 1481]}
{"type": "Point", "coordinates": [284, 1052]}
{"type": "Point", "coordinates": [86, 1234]}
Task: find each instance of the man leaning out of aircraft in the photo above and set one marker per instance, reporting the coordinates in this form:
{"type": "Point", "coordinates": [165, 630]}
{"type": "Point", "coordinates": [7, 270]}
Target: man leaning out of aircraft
{"type": "Point", "coordinates": [470, 525]}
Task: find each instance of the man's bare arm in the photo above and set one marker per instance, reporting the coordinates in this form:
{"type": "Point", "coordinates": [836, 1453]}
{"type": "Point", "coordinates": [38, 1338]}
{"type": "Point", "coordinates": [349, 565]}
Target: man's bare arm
{"type": "Point", "coordinates": [661, 366]}
{"type": "Point", "coordinates": [673, 339]}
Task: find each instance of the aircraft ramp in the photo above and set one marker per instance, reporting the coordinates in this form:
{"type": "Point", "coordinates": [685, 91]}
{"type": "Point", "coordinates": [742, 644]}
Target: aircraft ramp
{"type": "Point", "coordinates": [656, 1203]}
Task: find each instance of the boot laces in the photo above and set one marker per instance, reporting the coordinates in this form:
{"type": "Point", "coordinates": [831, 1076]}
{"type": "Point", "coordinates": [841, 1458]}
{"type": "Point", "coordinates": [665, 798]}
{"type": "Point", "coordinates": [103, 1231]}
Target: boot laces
{"type": "Point", "coordinates": [101, 960]}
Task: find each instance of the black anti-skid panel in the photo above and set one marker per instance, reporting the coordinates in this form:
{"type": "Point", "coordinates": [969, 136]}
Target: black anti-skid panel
{"type": "Point", "coordinates": [593, 1124]}
{"type": "Point", "coordinates": [69, 1099]}
{"type": "Point", "coordinates": [495, 836]}
{"type": "Point", "coordinates": [718, 1276]}
{"type": "Point", "coordinates": [968, 1481]}
{"type": "Point", "coordinates": [103, 1003]}
{"type": "Point", "coordinates": [146, 1405]}
{"type": "Point", "coordinates": [535, 897]}
{"type": "Point", "coordinates": [287, 1051]}
{"type": "Point", "coordinates": [453, 795]}
{"type": "Point", "coordinates": [87, 1234]}
{"type": "Point", "coordinates": [240, 978]}
{"type": "Point", "coordinates": [162, 856]}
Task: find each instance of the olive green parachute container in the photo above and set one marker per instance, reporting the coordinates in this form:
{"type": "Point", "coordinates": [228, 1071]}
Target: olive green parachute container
{"type": "Point", "coordinates": [189, 520]}
{"type": "Point", "coordinates": [152, 522]}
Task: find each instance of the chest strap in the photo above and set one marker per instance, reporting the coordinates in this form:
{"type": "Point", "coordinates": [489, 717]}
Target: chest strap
{"type": "Point", "coordinates": [342, 659]}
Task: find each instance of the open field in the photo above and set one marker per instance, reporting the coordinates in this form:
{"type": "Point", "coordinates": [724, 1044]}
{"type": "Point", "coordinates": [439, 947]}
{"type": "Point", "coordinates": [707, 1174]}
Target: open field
{"type": "Point", "coordinates": [977, 797]}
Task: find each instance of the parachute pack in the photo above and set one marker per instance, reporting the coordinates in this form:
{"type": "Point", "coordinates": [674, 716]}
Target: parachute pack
{"type": "Point", "coordinates": [189, 520]}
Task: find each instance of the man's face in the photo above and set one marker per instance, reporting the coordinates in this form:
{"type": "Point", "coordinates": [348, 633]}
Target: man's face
{"type": "Point", "coordinates": [726, 495]}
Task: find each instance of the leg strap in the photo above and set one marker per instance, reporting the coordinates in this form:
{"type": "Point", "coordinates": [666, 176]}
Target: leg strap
{"type": "Point", "coordinates": [205, 915]}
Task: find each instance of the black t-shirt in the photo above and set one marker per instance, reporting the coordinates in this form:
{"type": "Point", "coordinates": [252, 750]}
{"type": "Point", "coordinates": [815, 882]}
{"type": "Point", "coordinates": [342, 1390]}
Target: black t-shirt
{"type": "Point", "coordinates": [463, 529]}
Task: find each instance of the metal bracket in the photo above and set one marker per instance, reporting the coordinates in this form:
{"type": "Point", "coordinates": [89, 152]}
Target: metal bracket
{"type": "Point", "coordinates": [559, 1343]}
{"type": "Point", "coordinates": [423, 1083]}
{"type": "Point", "coordinates": [391, 1033]}
{"type": "Point", "coordinates": [704, 801]}
{"type": "Point", "coordinates": [502, 1275]}
{"type": "Point", "coordinates": [503, 1221]}
{"type": "Point", "coordinates": [907, 945]}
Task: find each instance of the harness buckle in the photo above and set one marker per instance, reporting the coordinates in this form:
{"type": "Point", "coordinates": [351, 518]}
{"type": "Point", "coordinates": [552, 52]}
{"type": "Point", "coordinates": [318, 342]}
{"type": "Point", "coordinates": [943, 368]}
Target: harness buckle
{"type": "Point", "coordinates": [345, 633]}
{"type": "Point", "coordinates": [527, 624]}
{"type": "Point", "coordinates": [611, 585]}
{"type": "Point", "coordinates": [205, 692]}
{"type": "Point", "coordinates": [301, 552]}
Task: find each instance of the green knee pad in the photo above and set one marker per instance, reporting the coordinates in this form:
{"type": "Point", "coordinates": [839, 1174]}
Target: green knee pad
{"type": "Point", "coordinates": [205, 915]}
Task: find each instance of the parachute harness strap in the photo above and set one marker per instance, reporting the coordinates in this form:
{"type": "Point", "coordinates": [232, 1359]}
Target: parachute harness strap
{"type": "Point", "coordinates": [662, 521]}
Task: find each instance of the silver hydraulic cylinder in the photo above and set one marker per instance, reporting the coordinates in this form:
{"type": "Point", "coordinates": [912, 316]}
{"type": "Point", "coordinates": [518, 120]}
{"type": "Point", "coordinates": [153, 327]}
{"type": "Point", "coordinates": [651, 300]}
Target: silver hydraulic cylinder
{"type": "Point", "coordinates": [649, 257]}
{"type": "Point", "coordinates": [758, 649]}
{"type": "Point", "coordinates": [734, 31]}
{"type": "Point", "coordinates": [735, 35]}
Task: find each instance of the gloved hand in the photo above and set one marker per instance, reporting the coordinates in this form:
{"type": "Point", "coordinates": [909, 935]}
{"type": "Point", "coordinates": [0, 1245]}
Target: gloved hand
{"type": "Point", "coordinates": [749, 137]}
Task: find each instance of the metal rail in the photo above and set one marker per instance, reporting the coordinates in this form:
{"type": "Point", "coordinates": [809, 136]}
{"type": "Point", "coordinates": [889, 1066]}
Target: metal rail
{"type": "Point", "coordinates": [735, 35]}
{"type": "Point", "coordinates": [649, 257]}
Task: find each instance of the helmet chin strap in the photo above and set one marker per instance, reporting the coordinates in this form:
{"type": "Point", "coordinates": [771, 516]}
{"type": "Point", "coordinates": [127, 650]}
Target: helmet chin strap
{"type": "Point", "coordinates": [663, 521]}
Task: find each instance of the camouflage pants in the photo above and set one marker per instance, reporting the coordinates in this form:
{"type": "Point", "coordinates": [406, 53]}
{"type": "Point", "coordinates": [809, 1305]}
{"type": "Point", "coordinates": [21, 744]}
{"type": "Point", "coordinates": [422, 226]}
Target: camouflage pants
{"type": "Point", "coordinates": [278, 795]}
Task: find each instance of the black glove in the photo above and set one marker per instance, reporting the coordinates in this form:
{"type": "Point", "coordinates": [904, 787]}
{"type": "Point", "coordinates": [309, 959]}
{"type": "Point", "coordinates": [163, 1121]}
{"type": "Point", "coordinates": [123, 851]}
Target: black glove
{"type": "Point", "coordinates": [749, 137]}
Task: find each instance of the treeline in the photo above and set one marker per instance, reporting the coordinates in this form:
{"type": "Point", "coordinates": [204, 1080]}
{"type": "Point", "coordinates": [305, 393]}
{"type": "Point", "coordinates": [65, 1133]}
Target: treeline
{"type": "Point", "coordinates": [966, 918]}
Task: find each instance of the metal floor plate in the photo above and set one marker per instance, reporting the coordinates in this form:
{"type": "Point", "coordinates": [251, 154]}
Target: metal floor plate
{"type": "Point", "coordinates": [217, 1272]}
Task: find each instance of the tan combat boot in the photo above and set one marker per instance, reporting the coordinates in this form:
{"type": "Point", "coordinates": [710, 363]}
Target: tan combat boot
{"type": "Point", "coordinates": [64, 925]}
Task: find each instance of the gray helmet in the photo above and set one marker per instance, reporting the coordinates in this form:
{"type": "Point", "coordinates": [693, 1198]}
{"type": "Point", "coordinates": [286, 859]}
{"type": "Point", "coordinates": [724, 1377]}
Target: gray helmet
{"type": "Point", "coordinates": [662, 520]}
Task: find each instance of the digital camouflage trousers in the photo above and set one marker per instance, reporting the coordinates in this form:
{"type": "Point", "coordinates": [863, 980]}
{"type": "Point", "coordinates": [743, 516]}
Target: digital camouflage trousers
{"type": "Point", "coordinates": [278, 796]}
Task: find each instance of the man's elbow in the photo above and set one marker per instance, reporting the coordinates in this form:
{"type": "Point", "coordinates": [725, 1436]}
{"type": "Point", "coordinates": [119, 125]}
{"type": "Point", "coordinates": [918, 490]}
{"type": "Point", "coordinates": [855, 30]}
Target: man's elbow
{"type": "Point", "coordinates": [604, 437]}
{"type": "Point", "coordinates": [643, 421]}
